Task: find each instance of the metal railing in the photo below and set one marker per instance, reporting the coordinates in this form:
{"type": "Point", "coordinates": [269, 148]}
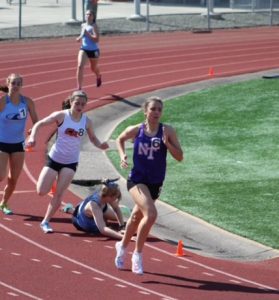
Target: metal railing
{"type": "Point", "coordinates": [28, 20]}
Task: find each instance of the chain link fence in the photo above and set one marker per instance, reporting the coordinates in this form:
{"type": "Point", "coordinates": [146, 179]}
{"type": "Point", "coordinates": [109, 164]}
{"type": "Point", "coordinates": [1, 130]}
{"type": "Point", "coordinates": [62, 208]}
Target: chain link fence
{"type": "Point", "coordinates": [52, 18]}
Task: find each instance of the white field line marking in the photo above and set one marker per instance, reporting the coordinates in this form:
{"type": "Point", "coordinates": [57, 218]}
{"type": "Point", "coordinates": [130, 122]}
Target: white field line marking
{"type": "Point", "coordinates": [158, 74]}
{"type": "Point", "coordinates": [155, 259]}
{"type": "Point", "coordinates": [152, 86]}
{"type": "Point", "coordinates": [141, 76]}
{"type": "Point", "coordinates": [235, 281]}
{"type": "Point", "coordinates": [120, 285]}
{"type": "Point", "coordinates": [20, 291]}
{"type": "Point", "coordinates": [213, 269]}
{"type": "Point", "coordinates": [21, 192]}
{"type": "Point", "coordinates": [161, 84]}
{"type": "Point", "coordinates": [197, 51]}
{"type": "Point", "coordinates": [76, 272]}
{"type": "Point", "coordinates": [145, 59]}
{"type": "Point", "coordinates": [56, 266]}
{"type": "Point", "coordinates": [182, 267]}
{"type": "Point", "coordinates": [83, 265]}
{"type": "Point", "coordinates": [13, 294]}
{"type": "Point", "coordinates": [99, 279]}
{"type": "Point", "coordinates": [134, 45]}
{"type": "Point", "coordinates": [144, 293]}
{"type": "Point", "coordinates": [66, 234]}
{"type": "Point", "coordinates": [109, 247]}
{"type": "Point", "coordinates": [207, 274]}
{"type": "Point", "coordinates": [31, 177]}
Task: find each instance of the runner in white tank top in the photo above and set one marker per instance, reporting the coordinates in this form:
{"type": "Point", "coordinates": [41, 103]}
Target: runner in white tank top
{"type": "Point", "coordinates": [66, 148]}
{"type": "Point", "coordinates": [64, 154]}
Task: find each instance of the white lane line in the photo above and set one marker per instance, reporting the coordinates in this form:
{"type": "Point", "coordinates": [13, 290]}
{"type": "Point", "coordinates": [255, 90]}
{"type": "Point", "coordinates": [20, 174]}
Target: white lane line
{"type": "Point", "coordinates": [77, 272]}
{"type": "Point", "coordinates": [21, 192]}
{"type": "Point", "coordinates": [182, 267]}
{"type": "Point", "coordinates": [120, 285]}
{"type": "Point", "coordinates": [7, 219]}
{"type": "Point", "coordinates": [158, 85]}
{"type": "Point", "coordinates": [53, 252]}
{"type": "Point", "coordinates": [235, 281]}
{"type": "Point", "coordinates": [87, 241]}
{"type": "Point", "coordinates": [28, 224]}
{"type": "Point", "coordinates": [35, 259]}
{"type": "Point", "coordinates": [144, 293]}
{"type": "Point", "coordinates": [131, 61]}
{"type": "Point", "coordinates": [30, 176]}
{"type": "Point", "coordinates": [98, 278]}
{"type": "Point", "coordinates": [207, 274]}
{"type": "Point", "coordinates": [19, 291]}
{"type": "Point", "coordinates": [56, 266]}
{"type": "Point", "coordinates": [155, 259]}
{"type": "Point", "coordinates": [109, 247]}
{"type": "Point", "coordinates": [213, 269]}
{"type": "Point", "coordinates": [15, 254]}
{"type": "Point", "coordinates": [13, 294]}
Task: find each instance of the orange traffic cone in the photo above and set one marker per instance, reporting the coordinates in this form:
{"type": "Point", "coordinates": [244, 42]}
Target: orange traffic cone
{"type": "Point", "coordinates": [211, 72]}
{"type": "Point", "coordinates": [53, 188]}
{"type": "Point", "coordinates": [28, 149]}
{"type": "Point", "coordinates": [179, 250]}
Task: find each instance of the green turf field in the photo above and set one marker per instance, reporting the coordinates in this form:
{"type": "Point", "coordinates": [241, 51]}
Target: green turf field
{"type": "Point", "coordinates": [230, 173]}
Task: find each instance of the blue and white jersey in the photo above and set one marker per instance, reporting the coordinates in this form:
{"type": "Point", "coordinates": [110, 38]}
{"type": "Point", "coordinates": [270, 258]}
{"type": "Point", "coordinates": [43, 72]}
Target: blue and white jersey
{"type": "Point", "coordinates": [86, 42]}
{"type": "Point", "coordinates": [92, 198]}
{"type": "Point", "coordinates": [13, 121]}
{"type": "Point", "coordinates": [88, 223]}
{"type": "Point", "coordinates": [149, 158]}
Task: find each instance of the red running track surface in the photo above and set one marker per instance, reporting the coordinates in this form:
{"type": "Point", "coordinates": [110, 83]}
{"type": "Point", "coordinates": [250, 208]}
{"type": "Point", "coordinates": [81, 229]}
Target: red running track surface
{"type": "Point", "coordinates": [72, 265]}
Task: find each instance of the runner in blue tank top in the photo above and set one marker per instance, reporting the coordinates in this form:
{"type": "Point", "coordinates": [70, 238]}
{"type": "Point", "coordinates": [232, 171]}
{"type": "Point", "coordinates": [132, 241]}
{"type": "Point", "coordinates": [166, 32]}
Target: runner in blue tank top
{"type": "Point", "coordinates": [14, 110]}
{"type": "Point", "coordinates": [89, 49]}
{"type": "Point", "coordinates": [152, 140]}
{"type": "Point", "coordinates": [92, 214]}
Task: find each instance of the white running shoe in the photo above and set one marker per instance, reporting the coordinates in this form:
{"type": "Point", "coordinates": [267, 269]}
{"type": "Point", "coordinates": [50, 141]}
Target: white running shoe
{"type": "Point", "coordinates": [137, 267]}
{"type": "Point", "coordinates": [120, 255]}
{"type": "Point", "coordinates": [46, 228]}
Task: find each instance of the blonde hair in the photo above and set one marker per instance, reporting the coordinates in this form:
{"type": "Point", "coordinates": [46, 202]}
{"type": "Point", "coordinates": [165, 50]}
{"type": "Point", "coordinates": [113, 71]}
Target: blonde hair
{"type": "Point", "coordinates": [14, 76]}
{"type": "Point", "coordinates": [110, 190]}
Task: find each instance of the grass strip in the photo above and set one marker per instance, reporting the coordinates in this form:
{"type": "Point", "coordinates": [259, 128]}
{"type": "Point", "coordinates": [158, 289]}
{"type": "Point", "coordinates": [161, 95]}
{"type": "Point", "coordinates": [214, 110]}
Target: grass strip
{"type": "Point", "coordinates": [230, 173]}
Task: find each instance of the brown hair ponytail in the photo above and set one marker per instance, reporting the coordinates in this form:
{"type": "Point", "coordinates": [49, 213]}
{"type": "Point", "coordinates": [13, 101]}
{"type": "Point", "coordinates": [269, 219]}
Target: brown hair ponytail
{"type": "Point", "coordinates": [4, 89]}
{"type": "Point", "coordinates": [66, 104]}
